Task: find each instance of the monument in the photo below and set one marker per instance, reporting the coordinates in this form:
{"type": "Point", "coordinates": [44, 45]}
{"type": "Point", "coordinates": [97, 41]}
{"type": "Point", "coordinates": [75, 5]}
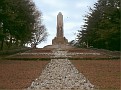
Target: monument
{"type": "Point", "coordinates": [59, 41]}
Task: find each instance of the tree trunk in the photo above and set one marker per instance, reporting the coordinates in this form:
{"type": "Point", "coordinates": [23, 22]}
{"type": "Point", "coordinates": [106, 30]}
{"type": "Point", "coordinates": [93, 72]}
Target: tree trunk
{"type": "Point", "coordinates": [1, 48]}
{"type": "Point", "coordinates": [17, 44]}
{"type": "Point", "coordinates": [10, 43]}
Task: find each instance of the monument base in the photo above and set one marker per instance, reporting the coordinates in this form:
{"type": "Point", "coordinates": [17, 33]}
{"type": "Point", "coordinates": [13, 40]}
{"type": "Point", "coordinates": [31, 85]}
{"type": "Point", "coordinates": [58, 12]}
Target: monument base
{"type": "Point", "coordinates": [59, 40]}
{"type": "Point", "coordinates": [59, 46]}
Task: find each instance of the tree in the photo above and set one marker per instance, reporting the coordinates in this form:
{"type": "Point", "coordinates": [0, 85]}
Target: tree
{"type": "Point", "coordinates": [72, 43]}
{"type": "Point", "coordinates": [102, 25]}
{"type": "Point", "coordinates": [39, 36]}
{"type": "Point", "coordinates": [17, 22]}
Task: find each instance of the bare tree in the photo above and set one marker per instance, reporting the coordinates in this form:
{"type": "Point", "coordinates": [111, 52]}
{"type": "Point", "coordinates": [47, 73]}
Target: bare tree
{"type": "Point", "coordinates": [39, 35]}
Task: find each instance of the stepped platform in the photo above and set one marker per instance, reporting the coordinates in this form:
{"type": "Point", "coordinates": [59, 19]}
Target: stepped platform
{"type": "Point", "coordinates": [73, 53]}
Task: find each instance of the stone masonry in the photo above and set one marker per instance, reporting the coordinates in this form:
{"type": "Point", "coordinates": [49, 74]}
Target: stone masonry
{"type": "Point", "coordinates": [59, 40]}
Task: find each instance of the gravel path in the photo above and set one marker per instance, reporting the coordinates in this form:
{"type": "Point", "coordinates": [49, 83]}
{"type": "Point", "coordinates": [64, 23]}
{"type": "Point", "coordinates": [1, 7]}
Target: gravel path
{"type": "Point", "coordinates": [60, 74]}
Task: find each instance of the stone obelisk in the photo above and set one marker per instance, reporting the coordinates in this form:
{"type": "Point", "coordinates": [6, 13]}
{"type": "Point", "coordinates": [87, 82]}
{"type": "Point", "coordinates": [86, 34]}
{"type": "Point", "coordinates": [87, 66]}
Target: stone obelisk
{"type": "Point", "coordinates": [59, 39]}
{"type": "Point", "coordinates": [60, 25]}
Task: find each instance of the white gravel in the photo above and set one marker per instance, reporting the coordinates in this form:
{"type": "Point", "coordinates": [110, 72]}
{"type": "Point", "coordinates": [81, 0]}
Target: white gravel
{"type": "Point", "coordinates": [61, 74]}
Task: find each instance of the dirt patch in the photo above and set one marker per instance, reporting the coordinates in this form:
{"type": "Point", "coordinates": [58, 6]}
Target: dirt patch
{"type": "Point", "coordinates": [103, 73]}
{"type": "Point", "coordinates": [19, 74]}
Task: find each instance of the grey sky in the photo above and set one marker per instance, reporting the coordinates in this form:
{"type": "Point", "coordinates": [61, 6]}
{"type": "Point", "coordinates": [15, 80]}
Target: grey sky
{"type": "Point", "coordinates": [73, 12]}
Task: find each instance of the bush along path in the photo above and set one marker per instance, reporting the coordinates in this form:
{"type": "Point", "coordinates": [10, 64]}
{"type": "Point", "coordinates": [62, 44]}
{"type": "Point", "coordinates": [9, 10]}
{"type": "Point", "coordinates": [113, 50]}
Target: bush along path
{"type": "Point", "coordinates": [61, 74]}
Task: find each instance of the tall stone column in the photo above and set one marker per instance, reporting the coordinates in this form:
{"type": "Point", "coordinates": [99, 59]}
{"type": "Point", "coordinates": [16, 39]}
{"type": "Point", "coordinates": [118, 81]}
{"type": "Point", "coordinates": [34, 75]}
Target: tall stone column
{"type": "Point", "coordinates": [59, 25]}
{"type": "Point", "coordinates": [59, 39]}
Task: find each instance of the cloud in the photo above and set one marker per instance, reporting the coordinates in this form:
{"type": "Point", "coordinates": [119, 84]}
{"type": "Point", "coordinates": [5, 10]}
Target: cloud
{"type": "Point", "coordinates": [55, 13]}
{"type": "Point", "coordinates": [73, 12]}
{"type": "Point", "coordinates": [47, 17]}
{"type": "Point", "coordinates": [82, 4]}
{"type": "Point", "coordinates": [54, 3]}
{"type": "Point", "coordinates": [85, 3]}
{"type": "Point", "coordinates": [70, 25]}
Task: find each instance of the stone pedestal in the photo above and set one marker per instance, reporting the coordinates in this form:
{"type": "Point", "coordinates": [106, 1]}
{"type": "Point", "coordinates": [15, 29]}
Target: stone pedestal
{"type": "Point", "coordinates": [59, 40]}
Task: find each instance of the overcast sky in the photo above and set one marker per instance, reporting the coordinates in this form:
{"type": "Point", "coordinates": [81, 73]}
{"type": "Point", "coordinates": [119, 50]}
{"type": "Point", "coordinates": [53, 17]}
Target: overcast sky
{"type": "Point", "coordinates": [73, 14]}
